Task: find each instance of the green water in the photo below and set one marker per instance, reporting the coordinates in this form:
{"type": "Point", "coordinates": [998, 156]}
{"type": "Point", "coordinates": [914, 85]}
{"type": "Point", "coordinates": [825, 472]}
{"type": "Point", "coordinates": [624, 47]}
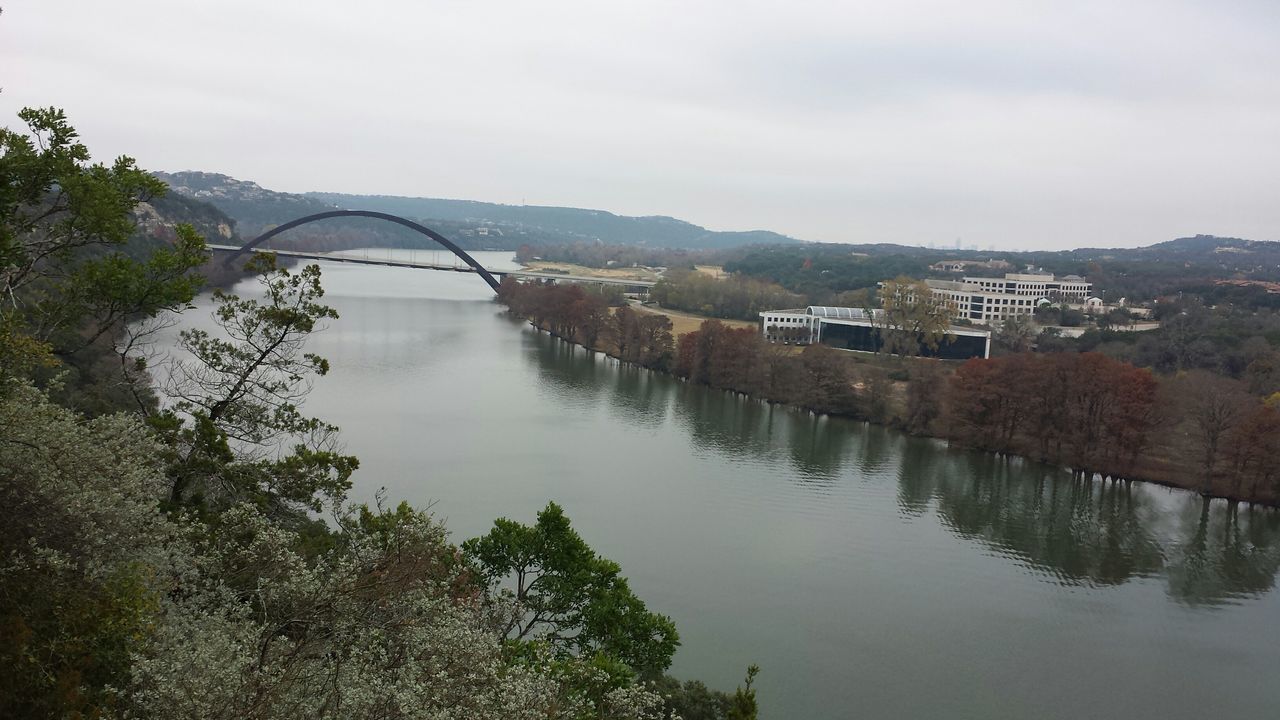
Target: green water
{"type": "Point", "coordinates": [869, 574]}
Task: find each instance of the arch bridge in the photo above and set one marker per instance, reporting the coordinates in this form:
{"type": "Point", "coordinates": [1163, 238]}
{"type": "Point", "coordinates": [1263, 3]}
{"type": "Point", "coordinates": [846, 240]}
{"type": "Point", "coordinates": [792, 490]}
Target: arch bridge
{"type": "Point", "coordinates": [492, 277]}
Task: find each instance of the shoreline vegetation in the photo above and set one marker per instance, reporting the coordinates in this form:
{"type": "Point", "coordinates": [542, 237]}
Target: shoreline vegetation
{"type": "Point", "coordinates": [1086, 412]}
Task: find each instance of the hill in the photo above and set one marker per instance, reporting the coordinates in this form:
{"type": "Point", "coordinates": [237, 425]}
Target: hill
{"type": "Point", "coordinates": [471, 224]}
{"type": "Point", "coordinates": [1199, 264]}
{"type": "Point", "coordinates": [574, 224]}
{"type": "Point", "coordinates": [254, 207]}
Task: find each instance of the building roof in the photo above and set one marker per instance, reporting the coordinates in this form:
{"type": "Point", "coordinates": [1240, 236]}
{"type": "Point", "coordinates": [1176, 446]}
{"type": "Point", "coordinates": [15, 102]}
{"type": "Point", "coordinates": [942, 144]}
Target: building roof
{"type": "Point", "coordinates": [968, 330]}
{"type": "Point", "coordinates": [859, 316]}
{"type": "Point", "coordinates": [831, 311]}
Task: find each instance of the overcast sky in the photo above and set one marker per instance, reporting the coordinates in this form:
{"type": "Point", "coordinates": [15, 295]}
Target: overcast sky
{"type": "Point", "coordinates": [1016, 124]}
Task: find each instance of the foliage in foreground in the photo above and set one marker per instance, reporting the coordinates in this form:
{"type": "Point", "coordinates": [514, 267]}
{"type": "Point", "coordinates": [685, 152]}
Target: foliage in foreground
{"type": "Point", "coordinates": [110, 605]}
{"type": "Point", "coordinates": [70, 285]}
{"type": "Point", "coordinates": [167, 563]}
{"type": "Point", "coordinates": [567, 597]}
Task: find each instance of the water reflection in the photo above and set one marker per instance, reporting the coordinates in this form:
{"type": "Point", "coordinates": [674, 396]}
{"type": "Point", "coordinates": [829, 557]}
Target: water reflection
{"type": "Point", "coordinates": [818, 445]}
{"type": "Point", "coordinates": [915, 478]}
{"type": "Point", "coordinates": [880, 448]}
{"type": "Point", "coordinates": [1075, 530]}
{"type": "Point", "coordinates": [639, 396]}
{"type": "Point", "coordinates": [1085, 531]}
{"type": "Point", "coordinates": [1226, 553]}
{"type": "Point", "coordinates": [1070, 530]}
{"type": "Point", "coordinates": [733, 425]}
{"type": "Point", "coordinates": [567, 374]}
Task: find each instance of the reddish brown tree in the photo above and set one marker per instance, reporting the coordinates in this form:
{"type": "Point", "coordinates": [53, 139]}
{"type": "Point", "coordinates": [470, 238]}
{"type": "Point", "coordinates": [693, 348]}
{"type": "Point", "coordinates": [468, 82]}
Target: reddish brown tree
{"type": "Point", "coordinates": [1252, 447]}
{"type": "Point", "coordinates": [1210, 406]}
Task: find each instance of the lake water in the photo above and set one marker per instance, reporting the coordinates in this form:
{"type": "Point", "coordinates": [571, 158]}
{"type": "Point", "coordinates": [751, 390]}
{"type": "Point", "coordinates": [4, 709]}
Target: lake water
{"type": "Point", "coordinates": [869, 574]}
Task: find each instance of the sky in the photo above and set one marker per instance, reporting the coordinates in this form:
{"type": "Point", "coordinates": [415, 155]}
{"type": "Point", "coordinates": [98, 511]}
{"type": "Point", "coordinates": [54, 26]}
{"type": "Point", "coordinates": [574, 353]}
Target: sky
{"type": "Point", "coordinates": [1010, 124]}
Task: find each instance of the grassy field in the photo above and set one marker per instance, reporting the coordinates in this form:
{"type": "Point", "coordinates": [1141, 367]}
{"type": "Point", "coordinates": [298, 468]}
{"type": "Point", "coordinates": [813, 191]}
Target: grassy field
{"type": "Point", "coordinates": [682, 322]}
{"type": "Point", "coordinates": [637, 273]}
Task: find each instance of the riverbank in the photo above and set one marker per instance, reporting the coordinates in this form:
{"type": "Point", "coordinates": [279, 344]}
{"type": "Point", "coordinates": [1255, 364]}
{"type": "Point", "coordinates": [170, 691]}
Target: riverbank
{"type": "Point", "coordinates": [1080, 411]}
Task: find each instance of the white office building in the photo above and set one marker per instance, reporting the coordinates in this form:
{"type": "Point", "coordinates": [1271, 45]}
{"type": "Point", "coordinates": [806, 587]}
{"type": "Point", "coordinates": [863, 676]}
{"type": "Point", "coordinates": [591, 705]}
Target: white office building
{"type": "Point", "coordinates": [802, 326]}
{"type": "Point", "coordinates": [992, 300]}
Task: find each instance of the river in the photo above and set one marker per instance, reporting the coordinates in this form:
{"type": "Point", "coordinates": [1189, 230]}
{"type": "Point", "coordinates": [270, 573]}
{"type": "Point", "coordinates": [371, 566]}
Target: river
{"type": "Point", "coordinates": [868, 573]}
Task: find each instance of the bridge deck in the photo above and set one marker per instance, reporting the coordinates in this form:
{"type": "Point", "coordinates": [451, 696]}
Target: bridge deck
{"type": "Point", "coordinates": [523, 274]}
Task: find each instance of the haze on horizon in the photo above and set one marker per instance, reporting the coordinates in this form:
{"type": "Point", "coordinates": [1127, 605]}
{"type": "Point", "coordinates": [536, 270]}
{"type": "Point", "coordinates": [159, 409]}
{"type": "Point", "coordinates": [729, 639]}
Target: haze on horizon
{"type": "Point", "coordinates": [1009, 124]}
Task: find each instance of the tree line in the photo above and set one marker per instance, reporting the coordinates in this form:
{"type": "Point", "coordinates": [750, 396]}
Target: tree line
{"type": "Point", "coordinates": [588, 318]}
{"type": "Point", "coordinates": [1236, 342]}
{"type": "Point", "coordinates": [1082, 410]}
{"type": "Point", "coordinates": [735, 297]}
{"type": "Point", "coordinates": [819, 272]}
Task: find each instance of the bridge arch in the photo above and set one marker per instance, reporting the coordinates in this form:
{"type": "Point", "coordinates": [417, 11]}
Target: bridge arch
{"type": "Point", "coordinates": [480, 270]}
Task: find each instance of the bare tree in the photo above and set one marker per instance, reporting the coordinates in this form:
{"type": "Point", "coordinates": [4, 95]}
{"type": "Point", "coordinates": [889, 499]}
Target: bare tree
{"type": "Point", "coordinates": [913, 320]}
{"type": "Point", "coordinates": [925, 394]}
{"type": "Point", "coordinates": [1212, 405]}
{"type": "Point", "coordinates": [1015, 334]}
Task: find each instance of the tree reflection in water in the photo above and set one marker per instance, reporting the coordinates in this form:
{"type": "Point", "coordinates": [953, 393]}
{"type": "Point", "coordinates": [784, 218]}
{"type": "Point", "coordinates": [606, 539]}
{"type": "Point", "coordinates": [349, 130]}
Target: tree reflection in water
{"type": "Point", "coordinates": [567, 374]}
{"type": "Point", "coordinates": [639, 395]}
{"type": "Point", "coordinates": [1074, 530]}
{"type": "Point", "coordinates": [1225, 552]}
{"type": "Point", "coordinates": [1087, 531]}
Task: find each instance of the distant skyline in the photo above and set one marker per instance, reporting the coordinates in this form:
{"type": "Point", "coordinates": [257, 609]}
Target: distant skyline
{"type": "Point", "coordinates": [1018, 125]}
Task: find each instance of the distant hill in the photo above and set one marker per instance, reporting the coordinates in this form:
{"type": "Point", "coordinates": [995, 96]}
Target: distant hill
{"type": "Point", "coordinates": [1206, 249]}
{"type": "Point", "coordinates": [1189, 264]}
{"type": "Point", "coordinates": [253, 207]}
{"type": "Point", "coordinates": [471, 224]}
{"type": "Point", "coordinates": [574, 224]}
{"type": "Point", "coordinates": [242, 209]}
{"type": "Point", "coordinates": [1206, 252]}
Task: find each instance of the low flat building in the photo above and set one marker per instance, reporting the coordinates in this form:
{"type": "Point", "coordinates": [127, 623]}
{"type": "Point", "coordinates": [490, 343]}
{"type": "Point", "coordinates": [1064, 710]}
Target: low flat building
{"type": "Point", "coordinates": [857, 330]}
{"type": "Point", "coordinates": [792, 327]}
